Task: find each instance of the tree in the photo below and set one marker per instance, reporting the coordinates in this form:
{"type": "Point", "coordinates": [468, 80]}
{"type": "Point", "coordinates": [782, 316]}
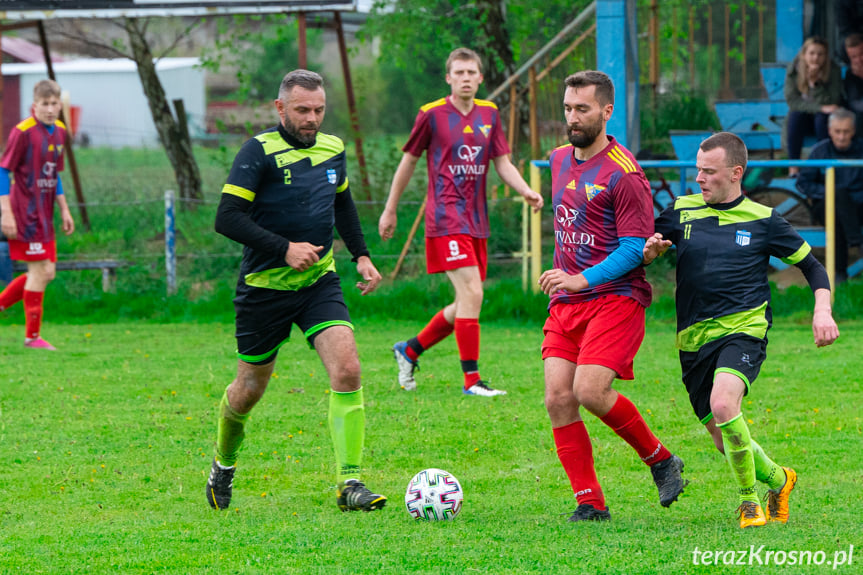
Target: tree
{"type": "Point", "coordinates": [417, 35]}
{"type": "Point", "coordinates": [173, 134]}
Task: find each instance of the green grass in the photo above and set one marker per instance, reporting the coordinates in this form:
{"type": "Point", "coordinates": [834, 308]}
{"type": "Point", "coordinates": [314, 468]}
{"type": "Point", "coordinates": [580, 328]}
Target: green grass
{"type": "Point", "coordinates": [107, 441]}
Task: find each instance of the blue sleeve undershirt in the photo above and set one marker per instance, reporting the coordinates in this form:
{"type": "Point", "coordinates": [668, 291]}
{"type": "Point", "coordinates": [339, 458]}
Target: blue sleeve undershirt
{"type": "Point", "coordinates": [627, 256]}
{"type": "Point", "coordinates": [5, 182]}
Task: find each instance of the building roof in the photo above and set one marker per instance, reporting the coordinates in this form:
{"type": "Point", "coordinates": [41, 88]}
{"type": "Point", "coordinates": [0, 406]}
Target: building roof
{"type": "Point", "coordinates": [24, 50]}
{"type": "Point", "coordinates": [97, 65]}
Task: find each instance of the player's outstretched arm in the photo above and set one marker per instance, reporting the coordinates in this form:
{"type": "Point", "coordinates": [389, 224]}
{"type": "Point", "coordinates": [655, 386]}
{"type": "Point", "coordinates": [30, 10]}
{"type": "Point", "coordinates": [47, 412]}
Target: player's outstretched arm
{"type": "Point", "coordinates": [371, 276]}
{"type": "Point", "coordinates": [512, 178]}
{"type": "Point", "coordinates": [388, 220]}
{"type": "Point", "coordinates": [824, 328]}
{"type": "Point", "coordinates": [654, 247]}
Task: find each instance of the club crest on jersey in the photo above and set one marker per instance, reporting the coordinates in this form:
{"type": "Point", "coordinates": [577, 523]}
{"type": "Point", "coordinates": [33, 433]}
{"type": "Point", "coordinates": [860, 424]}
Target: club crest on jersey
{"type": "Point", "coordinates": [743, 238]}
{"type": "Point", "coordinates": [485, 129]}
{"type": "Point", "coordinates": [592, 190]}
{"type": "Point", "coordinates": [331, 176]}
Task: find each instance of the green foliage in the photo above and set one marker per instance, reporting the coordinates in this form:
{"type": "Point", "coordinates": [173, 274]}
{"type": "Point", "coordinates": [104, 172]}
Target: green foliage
{"type": "Point", "coordinates": [108, 442]}
{"type": "Point", "coordinates": [416, 36]}
{"type": "Point", "coordinates": [676, 110]}
{"type": "Point", "coordinates": [261, 49]}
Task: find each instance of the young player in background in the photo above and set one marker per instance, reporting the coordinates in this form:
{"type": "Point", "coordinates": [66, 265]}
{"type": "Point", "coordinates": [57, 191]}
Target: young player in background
{"type": "Point", "coordinates": [34, 159]}
{"type": "Point", "coordinates": [460, 136]}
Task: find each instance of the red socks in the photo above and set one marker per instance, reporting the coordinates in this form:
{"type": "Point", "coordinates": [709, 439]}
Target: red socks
{"type": "Point", "coordinates": [467, 338]}
{"type": "Point", "coordinates": [13, 292]}
{"type": "Point", "coordinates": [33, 313]}
{"type": "Point", "coordinates": [627, 422]}
{"type": "Point", "coordinates": [576, 454]}
{"type": "Point", "coordinates": [437, 329]}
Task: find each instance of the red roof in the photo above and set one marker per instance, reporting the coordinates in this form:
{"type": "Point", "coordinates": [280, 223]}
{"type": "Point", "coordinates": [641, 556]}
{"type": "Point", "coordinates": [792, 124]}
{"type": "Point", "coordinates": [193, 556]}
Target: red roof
{"type": "Point", "coordinates": [22, 50]}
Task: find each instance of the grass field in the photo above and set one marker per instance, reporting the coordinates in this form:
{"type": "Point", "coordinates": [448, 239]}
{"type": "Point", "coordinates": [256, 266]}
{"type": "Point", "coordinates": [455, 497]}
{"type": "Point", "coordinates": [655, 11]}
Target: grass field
{"type": "Point", "coordinates": [106, 444]}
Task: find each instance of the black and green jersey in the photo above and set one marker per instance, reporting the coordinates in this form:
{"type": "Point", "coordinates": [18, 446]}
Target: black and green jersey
{"type": "Point", "coordinates": [293, 192]}
{"type": "Point", "coordinates": [723, 253]}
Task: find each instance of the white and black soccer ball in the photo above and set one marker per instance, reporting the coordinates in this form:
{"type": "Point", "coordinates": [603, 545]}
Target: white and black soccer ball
{"type": "Point", "coordinates": [434, 495]}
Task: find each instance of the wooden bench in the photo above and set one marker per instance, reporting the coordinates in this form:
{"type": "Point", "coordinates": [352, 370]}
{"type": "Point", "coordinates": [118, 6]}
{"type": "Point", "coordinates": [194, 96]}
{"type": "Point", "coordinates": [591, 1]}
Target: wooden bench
{"type": "Point", "coordinates": [108, 267]}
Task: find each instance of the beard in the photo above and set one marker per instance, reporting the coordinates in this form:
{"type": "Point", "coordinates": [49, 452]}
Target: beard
{"type": "Point", "coordinates": [292, 129]}
{"type": "Point", "coordinates": [588, 135]}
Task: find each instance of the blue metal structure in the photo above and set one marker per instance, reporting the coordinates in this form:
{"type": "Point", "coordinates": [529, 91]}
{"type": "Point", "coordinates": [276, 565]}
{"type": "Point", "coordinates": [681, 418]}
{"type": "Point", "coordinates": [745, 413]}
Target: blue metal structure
{"type": "Point", "coordinates": [755, 121]}
{"type": "Point", "coordinates": [617, 56]}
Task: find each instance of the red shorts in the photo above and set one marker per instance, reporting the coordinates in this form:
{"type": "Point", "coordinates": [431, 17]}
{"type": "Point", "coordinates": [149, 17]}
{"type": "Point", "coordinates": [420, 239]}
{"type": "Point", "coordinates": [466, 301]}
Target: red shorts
{"type": "Point", "coordinates": [459, 251]}
{"type": "Point", "coordinates": [606, 331]}
{"type": "Point", "coordinates": [32, 251]}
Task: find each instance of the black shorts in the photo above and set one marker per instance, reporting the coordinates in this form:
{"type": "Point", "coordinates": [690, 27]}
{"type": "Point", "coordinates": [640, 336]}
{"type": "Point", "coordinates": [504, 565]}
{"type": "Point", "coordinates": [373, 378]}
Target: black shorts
{"type": "Point", "coordinates": [739, 354]}
{"type": "Point", "coordinates": [264, 317]}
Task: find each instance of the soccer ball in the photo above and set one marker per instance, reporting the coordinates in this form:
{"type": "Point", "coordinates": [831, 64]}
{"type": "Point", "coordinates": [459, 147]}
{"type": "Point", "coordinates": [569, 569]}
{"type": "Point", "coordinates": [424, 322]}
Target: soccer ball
{"type": "Point", "coordinates": [433, 495]}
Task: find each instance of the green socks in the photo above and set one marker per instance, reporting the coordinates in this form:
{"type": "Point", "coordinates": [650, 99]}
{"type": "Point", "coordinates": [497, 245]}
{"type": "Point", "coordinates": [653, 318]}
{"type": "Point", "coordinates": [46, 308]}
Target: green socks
{"type": "Point", "coordinates": [231, 434]}
{"type": "Point", "coordinates": [347, 420]}
{"type": "Point", "coordinates": [766, 471]}
{"type": "Point", "coordinates": [739, 453]}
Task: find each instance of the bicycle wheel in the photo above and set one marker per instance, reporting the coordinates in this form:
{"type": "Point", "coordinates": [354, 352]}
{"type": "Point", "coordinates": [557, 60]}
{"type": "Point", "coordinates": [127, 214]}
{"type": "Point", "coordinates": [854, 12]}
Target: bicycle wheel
{"type": "Point", "coordinates": [790, 205]}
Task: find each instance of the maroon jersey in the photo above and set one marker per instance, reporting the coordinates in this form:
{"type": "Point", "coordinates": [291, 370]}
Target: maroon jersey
{"type": "Point", "coordinates": [595, 203]}
{"type": "Point", "coordinates": [459, 148]}
{"type": "Point", "coordinates": [34, 157]}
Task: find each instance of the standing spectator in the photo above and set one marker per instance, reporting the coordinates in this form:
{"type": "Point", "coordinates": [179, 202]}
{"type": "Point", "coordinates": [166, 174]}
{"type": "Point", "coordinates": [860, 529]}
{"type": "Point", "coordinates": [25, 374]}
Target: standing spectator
{"type": "Point", "coordinates": [34, 157]}
{"type": "Point", "coordinates": [841, 145]}
{"type": "Point", "coordinates": [852, 83]}
{"type": "Point", "coordinates": [813, 89]}
{"type": "Point", "coordinates": [287, 188]}
{"type": "Point", "coordinates": [460, 135]}
{"type": "Point", "coordinates": [849, 20]}
{"type": "Point", "coordinates": [603, 214]}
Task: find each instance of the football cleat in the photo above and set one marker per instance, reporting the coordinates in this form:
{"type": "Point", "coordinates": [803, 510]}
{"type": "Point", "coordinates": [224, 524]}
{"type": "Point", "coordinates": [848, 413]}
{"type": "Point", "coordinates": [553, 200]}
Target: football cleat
{"type": "Point", "coordinates": [482, 388]}
{"type": "Point", "coordinates": [220, 485]}
{"type": "Point", "coordinates": [751, 515]}
{"type": "Point", "coordinates": [666, 476]}
{"type": "Point", "coordinates": [39, 343]}
{"type": "Point", "coordinates": [353, 495]}
{"type": "Point", "coordinates": [777, 501]}
{"type": "Point", "coordinates": [587, 512]}
{"type": "Point", "coordinates": [406, 366]}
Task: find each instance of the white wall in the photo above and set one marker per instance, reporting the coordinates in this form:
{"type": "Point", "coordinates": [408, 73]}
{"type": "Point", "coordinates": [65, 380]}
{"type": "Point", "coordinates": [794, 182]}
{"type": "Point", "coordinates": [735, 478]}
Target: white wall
{"type": "Point", "coordinates": [114, 110]}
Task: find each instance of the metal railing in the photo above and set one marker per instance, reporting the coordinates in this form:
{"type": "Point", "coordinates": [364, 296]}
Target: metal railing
{"type": "Point", "coordinates": [531, 252]}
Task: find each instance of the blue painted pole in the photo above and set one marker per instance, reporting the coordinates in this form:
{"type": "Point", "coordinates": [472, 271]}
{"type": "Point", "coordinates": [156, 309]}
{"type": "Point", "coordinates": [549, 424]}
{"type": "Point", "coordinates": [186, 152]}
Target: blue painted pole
{"type": "Point", "coordinates": [789, 29]}
{"type": "Point", "coordinates": [617, 56]}
{"type": "Point", "coordinates": [170, 245]}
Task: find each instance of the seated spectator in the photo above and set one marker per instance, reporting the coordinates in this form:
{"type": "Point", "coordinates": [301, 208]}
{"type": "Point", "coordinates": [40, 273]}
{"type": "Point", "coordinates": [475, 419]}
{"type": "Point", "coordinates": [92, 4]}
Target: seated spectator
{"type": "Point", "coordinates": [841, 145]}
{"type": "Point", "coordinates": [852, 83]}
{"type": "Point", "coordinates": [813, 89]}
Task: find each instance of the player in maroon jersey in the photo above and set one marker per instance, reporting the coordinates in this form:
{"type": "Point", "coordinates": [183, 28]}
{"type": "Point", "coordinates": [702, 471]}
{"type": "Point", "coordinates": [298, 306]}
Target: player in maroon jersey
{"type": "Point", "coordinates": [34, 157]}
{"type": "Point", "coordinates": [460, 135]}
{"type": "Point", "coordinates": [603, 214]}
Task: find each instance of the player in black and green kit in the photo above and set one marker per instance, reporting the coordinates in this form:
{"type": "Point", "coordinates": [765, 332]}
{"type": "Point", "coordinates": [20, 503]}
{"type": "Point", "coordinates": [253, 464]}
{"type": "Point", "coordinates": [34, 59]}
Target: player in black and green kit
{"type": "Point", "coordinates": [724, 243]}
{"type": "Point", "coordinates": [286, 190]}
